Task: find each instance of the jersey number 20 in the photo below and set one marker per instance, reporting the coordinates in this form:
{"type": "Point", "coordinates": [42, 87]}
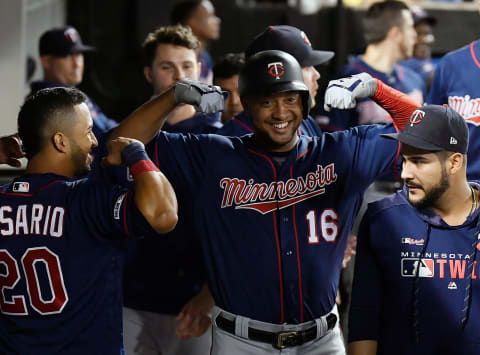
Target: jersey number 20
{"type": "Point", "coordinates": [328, 226]}
{"type": "Point", "coordinates": [30, 263]}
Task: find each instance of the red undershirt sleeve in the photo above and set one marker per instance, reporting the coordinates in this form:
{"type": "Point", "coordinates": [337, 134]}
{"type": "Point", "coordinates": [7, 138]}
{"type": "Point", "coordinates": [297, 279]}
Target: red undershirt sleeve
{"type": "Point", "coordinates": [399, 105]}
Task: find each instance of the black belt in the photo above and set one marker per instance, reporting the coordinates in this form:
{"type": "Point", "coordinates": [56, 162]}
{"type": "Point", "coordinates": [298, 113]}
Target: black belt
{"type": "Point", "coordinates": [280, 340]}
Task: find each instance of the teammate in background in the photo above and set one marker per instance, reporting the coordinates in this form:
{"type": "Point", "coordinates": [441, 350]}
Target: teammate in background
{"type": "Point", "coordinates": [225, 74]}
{"type": "Point", "coordinates": [421, 62]}
{"type": "Point", "coordinates": [274, 215]}
{"type": "Point", "coordinates": [61, 274]}
{"type": "Point", "coordinates": [171, 55]}
{"type": "Point", "coordinates": [390, 37]}
{"type": "Point", "coordinates": [295, 42]}
{"type": "Point", "coordinates": [199, 15]}
{"type": "Point", "coordinates": [415, 286]}
{"type": "Point", "coordinates": [61, 54]}
{"type": "Point", "coordinates": [160, 317]}
{"type": "Point", "coordinates": [458, 86]}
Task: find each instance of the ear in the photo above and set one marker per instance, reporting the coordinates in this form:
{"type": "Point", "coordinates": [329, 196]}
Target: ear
{"type": "Point", "coordinates": [46, 61]}
{"type": "Point", "coordinates": [455, 163]}
{"type": "Point", "coordinates": [393, 32]}
{"type": "Point", "coordinates": [147, 71]}
{"type": "Point", "coordinates": [61, 142]}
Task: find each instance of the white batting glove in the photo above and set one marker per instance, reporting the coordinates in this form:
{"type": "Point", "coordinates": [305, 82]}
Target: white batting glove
{"type": "Point", "coordinates": [344, 93]}
{"type": "Point", "coordinates": [205, 98]}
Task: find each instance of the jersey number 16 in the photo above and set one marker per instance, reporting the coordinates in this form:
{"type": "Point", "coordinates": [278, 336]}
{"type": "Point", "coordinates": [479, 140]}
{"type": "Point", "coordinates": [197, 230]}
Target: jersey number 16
{"type": "Point", "coordinates": [328, 226]}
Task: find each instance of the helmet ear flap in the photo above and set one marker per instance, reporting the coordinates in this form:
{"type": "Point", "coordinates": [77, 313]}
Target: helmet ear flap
{"type": "Point", "coordinates": [306, 103]}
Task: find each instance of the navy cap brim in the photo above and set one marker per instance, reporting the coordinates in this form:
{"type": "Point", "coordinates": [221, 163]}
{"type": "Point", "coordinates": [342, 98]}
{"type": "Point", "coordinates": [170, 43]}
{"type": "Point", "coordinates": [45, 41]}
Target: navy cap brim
{"type": "Point", "coordinates": [317, 58]}
{"type": "Point", "coordinates": [81, 48]}
{"type": "Point", "coordinates": [413, 141]}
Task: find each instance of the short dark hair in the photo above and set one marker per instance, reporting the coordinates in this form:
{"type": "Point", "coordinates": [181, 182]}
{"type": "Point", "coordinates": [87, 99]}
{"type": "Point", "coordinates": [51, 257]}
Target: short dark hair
{"type": "Point", "coordinates": [228, 65]}
{"type": "Point", "coordinates": [177, 35]}
{"type": "Point", "coordinates": [183, 11]}
{"type": "Point", "coordinates": [380, 18]}
{"type": "Point", "coordinates": [42, 109]}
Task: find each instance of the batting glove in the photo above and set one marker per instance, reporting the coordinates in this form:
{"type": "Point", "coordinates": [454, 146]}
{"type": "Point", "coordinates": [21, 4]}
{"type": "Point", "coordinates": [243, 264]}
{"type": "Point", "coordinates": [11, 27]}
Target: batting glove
{"type": "Point", "coordinates": [205, 98]}
{"type": "Point", "coordinates": [344, 93]}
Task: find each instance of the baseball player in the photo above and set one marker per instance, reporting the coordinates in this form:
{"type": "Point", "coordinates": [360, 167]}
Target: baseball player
{"type": "Point", "coordinates": [457, 86]}
{"type": "Point", "coordinates": [60, 280]}
{"type": "Point", "coordinates": [390, 37]}
{"type": "Point", "coordinates": [61, 55]}
{"type": "Point", "coordinates": [416, 274]}
{"type": "Point", "coordinates": [291, 40]}
{"type": "Point", "coordinates": [273, 209]}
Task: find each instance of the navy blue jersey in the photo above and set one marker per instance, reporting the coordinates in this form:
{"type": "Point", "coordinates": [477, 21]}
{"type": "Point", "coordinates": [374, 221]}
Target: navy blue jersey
{"type": "Point", "coordinates": [274, 237]}
{"type": "Point", "coordinates": [423, 67]}
{"type": "Point", "coordinates": [101, 123]}
{"type": "Point", "coordinates": [241, 124]}
{"type": "Point", "coordinates": [201, 123]}
{"type": "Point", "coordinates": [456, 82]}
{"type": "Point", "coordinates": [367, 111]}
{"type": "Point", "coordinates": [60, 276]}
{"type": "Point", "coordinates": [391, 238]}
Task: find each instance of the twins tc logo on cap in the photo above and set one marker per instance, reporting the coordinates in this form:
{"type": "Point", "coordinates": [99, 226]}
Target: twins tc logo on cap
{"type": "Point", "coordinates": [71, 34]}
{"type": "Point", "coordinates": [416, 117]}
{"type": "Point", "coordinates": [305, 38]}
{"type": "Point", "coordinates": [276, 70]}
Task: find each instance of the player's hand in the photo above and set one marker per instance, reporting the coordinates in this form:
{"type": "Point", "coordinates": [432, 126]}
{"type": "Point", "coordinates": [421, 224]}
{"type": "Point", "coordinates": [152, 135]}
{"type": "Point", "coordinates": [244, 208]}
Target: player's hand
{"type": "Point", "coordinates": [205, 98]}
{"type": "Point", "coordinates": [195, 317]}
{"type": "Point", "coordinates": [350, 251]}
{"type": "Point", "coordinates": [11, 150]}
{"type": "Point", "coordinates": [115, 147]}
{"type": "Point", "coordinates": [344, 93]}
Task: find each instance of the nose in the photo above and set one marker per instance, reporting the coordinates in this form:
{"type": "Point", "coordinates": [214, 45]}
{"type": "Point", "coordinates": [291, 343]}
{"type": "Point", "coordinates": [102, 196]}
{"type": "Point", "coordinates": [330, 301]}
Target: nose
{"type": "Point", "coordinates": [407, 173]}
{"type": "Point", "coordinates": [179, 74]}
{"type": "Point", "coordinates": [280, 111]}
{"type": "Point", "coordinates": [76, 59]}
{"type": "Point", "coordinates": [94, 141]}
{"type": "Point", "coordinates": [316, 74]}
{"type": "Point", "coordinates": [234, 98]}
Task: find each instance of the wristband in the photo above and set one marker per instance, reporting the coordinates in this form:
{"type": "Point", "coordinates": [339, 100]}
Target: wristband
{"type": "Point", "coordinates": [142, 166]}
{"type": "Point", "coordinates": [135, 156]}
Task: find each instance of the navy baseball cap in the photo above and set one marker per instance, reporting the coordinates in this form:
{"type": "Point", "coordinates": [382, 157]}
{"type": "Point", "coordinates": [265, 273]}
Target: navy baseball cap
{"type": "Point", "coordinates": [419, 15]}
{"type": "Point", "coordinates": [291, 40]}
{"type": "Point", "coordinates": [434, 128]}
{"type": "Point", "coordinates": [62, 42]}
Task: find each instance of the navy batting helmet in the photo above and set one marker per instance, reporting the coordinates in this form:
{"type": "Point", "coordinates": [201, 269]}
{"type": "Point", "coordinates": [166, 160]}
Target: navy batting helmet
{"type": "Point", "coordinates": [271, 72]}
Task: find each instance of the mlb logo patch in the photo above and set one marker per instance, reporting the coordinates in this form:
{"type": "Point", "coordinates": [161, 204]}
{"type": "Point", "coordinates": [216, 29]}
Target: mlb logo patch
{"type": "Point", "coordinates": [21, 186]}
{"type": "Point", "coordinates": [118, 206]}
{"type": "Point", "coordinates": [409, 267]}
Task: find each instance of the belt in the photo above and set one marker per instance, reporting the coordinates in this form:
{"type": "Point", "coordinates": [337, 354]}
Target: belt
{"type": "Point", "coordinates": [280, 340]}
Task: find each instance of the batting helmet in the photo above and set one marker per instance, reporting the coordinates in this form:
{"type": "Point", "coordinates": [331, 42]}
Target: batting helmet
{"type": "Point", "coordinates": [271, 72]}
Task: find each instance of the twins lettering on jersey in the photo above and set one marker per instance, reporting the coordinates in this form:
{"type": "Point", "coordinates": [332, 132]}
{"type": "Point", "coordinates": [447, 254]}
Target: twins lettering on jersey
{"type": "Point", "coordinates": [35, 219]}
{"type": "Point", "coordinates": [468, 107]}
{"type": "Point", "coordinates": [441, 265]}
{"type": "Point", "coordinates": [265, 198]}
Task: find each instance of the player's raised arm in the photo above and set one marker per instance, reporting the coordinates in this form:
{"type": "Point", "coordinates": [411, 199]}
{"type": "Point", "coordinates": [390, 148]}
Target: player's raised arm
{"type": "Point", "coordinates": [154, 196]}
{"type": "Point", "coordinates": [144, 123]}
{"type": "Point", "coordinates": [344, 93]}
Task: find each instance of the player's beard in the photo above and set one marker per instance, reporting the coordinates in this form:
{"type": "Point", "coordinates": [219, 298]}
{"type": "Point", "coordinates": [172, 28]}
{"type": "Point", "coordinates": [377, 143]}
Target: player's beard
{"type": "Point", "coordinates": [432, 194]}
{"type": "Point", "coordinates": [80, 161]}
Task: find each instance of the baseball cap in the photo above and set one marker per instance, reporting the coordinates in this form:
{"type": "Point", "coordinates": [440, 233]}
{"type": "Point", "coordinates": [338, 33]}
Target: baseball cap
{"type": "Point", "coordinates": [291, 40]}
{"type": "Point", "coordinates": [434, 128]}
{"type": "Point", "coordinates": [419, 15]}
{"type": "Point", "coordinates": [61, 42]}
